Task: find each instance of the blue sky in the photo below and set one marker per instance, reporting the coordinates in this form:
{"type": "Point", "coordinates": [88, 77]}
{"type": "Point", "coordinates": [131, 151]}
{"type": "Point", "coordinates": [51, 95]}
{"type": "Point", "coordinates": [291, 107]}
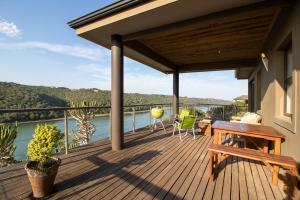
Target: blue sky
{"type": "Point", "coordinates": [38, 48]}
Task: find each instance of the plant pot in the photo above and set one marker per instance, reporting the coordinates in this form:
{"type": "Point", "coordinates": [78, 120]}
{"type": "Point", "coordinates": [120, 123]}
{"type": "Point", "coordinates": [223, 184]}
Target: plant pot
{"type": "Point", "coordinates": [157, 113]}
{"type": "Point", "coordinates": [42, 180]}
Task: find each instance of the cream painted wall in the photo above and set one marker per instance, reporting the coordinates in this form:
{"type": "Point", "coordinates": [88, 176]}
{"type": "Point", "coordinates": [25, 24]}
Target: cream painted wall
{"type": "Point", "coordinates": [271, 89]}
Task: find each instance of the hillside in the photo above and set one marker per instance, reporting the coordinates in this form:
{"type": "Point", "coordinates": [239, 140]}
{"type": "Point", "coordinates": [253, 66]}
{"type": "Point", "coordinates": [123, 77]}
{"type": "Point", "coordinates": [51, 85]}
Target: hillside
{"type": "Point", "coordinates": [14, 95]}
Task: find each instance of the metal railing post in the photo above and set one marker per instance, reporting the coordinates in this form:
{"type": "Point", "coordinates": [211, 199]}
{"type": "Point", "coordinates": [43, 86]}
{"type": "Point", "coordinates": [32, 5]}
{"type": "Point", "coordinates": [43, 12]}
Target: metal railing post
{"type": "Point", "coordinates": [150, 117]}
{"type": "Point", "coordinates": [133, 120]}
{"type": "Point", "coordinates": [223, 112]}
{"type": "Point", "coordinates": [109, 121]}
{"type": "Point", "coordinates": [66, 132]}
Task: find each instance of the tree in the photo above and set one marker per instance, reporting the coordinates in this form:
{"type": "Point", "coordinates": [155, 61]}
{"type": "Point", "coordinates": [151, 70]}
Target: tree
{"type": "Point", "coordinates": [83, 117]}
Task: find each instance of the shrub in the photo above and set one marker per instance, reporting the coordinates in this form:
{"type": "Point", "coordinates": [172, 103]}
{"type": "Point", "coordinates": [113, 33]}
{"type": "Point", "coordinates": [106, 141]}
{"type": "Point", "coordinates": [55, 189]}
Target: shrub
{"type": "Point", "coordinates": [8, 135]}
{"type": "Point", "coordinates": [46, 138]}
{"type": "Point", "coordinates": [83, 117]}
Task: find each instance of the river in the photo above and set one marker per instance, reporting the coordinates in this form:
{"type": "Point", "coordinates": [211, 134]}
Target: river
{"type": "Point", "coordinates": [26, 130]}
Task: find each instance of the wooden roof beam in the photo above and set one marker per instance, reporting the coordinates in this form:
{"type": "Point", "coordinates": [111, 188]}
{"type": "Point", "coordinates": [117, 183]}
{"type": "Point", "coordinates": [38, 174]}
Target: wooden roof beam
{"type": "Point", "coordinates": [216, 66]}
{"type": "Point", "coordinates": [152, 32]}
{"type": "Point", "coordinates": [146, 51]}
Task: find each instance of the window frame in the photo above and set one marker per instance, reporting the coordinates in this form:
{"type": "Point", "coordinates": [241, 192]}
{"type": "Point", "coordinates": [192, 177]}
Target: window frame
{"type": "Point", "coordinates": [288, 48]}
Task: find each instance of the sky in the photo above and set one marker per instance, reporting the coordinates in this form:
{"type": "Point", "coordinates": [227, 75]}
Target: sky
{"type": "Point", "coordinates": [37, 47]}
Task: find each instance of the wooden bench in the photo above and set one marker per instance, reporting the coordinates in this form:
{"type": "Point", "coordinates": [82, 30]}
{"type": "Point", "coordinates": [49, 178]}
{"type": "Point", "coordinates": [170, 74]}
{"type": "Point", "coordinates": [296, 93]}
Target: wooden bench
{"type": "Point", "coordinates": [270, 160]}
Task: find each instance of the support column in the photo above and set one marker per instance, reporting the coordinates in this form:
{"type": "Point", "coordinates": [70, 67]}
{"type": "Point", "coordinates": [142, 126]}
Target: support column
{"type": "Point", "coordinates": [117, 123]}
{"type": "Point", "coordinates": [176, 92]}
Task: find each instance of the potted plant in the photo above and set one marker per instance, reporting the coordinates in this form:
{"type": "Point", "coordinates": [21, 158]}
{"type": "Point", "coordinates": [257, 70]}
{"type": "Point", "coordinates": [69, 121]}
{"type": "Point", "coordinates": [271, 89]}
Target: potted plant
{"type": "Point", "coordinates": [42, 167]}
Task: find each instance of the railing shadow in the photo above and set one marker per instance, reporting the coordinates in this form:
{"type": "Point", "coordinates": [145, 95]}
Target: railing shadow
{"type": "Point", "coordinates": [105, 168]}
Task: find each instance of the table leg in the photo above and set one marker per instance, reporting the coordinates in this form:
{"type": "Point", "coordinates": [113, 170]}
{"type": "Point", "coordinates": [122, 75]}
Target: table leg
{"type": "Point", "coordinates": [277, 151]}
{"type": "Point", "coordinates": [266, 146]}
{"type": "Point", "coordinates": [211, 163]}
{"type": "Point", "coordinates": [216, 141]}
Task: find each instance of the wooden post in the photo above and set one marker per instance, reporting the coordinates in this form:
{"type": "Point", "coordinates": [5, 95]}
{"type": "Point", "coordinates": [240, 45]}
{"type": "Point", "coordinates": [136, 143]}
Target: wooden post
{"type": "Point", "coordinates": [66, 132]}
{"type": "Point", "coordinates": [176, 92]}
{"type": "Point", "coordinates": [133, 120]}
{"type": "Point", "coordinates": [117, 114]}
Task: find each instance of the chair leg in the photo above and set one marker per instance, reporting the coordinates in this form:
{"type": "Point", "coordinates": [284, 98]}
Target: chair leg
{"type": "Point", "coordinates": [179, 135]}
{"type": "Point", "coordinates": [174, 130]}
{"type": "Point", "coordinates": [194, 133]}
{"type": "Point", "coordinates": [163, 125]}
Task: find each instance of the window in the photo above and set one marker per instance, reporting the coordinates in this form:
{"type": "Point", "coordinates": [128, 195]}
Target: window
{"type": "Point", "coordinates": [288, 80]}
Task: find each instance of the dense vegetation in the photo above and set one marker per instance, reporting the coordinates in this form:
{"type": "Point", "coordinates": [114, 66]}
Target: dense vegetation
{"type": "Point", "coordinates": [14, 95]}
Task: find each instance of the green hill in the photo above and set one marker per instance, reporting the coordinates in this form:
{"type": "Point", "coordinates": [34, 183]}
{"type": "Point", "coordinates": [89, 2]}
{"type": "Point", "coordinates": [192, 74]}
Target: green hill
{"type": "Point", "coordinates": [14, 95]}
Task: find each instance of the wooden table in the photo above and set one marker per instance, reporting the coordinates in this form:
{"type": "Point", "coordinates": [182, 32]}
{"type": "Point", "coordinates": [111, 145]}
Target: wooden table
{"type": "Point", "coordinates": [250, 130]}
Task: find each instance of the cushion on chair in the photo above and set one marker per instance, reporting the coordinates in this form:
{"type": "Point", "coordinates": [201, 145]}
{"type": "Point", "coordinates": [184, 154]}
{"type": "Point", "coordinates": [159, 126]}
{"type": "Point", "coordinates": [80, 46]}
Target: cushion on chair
{"type": "Point", "coordinates": [251, 118]}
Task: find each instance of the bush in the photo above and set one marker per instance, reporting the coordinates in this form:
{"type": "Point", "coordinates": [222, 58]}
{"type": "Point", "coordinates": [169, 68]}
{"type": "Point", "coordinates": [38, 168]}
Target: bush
{"type": "Point", "coordinates": [46, 138]}
{"type": "Point", "coordinates": [84, 117]}
{"type": "Point", "coordinates": [8, 135]}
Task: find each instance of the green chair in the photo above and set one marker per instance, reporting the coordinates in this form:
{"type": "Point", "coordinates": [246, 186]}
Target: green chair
{"type": "Point", "coordinates": [178, 118]}
{"type": "Point", "coordinates": [187, 123]}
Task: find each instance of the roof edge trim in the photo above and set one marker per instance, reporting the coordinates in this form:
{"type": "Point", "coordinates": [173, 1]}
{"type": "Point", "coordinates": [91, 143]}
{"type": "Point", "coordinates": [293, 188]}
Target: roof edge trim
{"type": "Point", "coordinates": [104, 12]}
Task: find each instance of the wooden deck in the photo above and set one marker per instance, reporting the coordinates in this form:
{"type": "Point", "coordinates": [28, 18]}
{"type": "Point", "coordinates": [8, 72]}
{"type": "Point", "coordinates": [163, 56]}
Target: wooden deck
{"type": "Point", "coordinates": [152, 166]}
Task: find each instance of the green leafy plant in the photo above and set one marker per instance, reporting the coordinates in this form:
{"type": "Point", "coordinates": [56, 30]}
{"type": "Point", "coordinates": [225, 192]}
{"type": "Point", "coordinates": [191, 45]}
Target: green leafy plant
{"type": "Point", "coordinates": [46, 138]}
{"type": "Point", "coordinates": [8, 134]}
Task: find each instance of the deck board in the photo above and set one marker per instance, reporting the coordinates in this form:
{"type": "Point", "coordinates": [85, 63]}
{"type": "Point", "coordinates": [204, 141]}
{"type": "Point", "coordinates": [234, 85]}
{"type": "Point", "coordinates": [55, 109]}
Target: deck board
{"type": "Point", "coordinates": [152, 166]}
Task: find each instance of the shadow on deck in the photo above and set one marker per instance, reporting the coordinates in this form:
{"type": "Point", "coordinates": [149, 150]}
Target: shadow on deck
{"type": "Point", "coordinates": [152, 166]}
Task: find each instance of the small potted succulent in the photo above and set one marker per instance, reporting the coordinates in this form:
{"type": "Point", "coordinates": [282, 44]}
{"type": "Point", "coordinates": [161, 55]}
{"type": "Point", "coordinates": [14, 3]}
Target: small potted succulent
{"type": "Point", "coordinates": [42, 167]}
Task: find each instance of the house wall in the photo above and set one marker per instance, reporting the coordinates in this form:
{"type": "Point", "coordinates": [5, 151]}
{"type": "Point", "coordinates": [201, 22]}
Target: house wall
{"type": "Point", "coordinates": [269, 95]}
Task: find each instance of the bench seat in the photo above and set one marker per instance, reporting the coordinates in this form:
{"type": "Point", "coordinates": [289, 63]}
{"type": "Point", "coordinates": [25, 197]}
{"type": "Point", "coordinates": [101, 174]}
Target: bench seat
{"type": "Point", "coordinates": [284, 161]}
{"type": "Point", "coordinates": [269, 159]}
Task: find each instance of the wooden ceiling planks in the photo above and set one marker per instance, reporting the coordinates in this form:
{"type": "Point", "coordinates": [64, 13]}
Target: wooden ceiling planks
{"type": "Point", "coordinates": [237, 36]}
{"type": "Point", "coordinates": [221, 38]}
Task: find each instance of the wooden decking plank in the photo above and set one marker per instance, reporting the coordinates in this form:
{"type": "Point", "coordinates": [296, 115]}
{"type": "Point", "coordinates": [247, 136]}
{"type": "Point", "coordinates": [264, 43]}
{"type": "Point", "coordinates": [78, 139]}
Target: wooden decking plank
{"type": "Point", "coordinates": [235, 179]}
{"type": "Point", "coordinates": [157, 182]}
{"type": "Point", "coordinates": [154, 178]}
{"type": "Point", "coordinates": [276, 191]}
{"type": "Point", "coordinates": [200, 177]}
{"type": "Point", "coordinates": [131, 154]}
{"type": "Point", "coordinates": [136, 176]}
{"type": "Point", "coordinates": [249, 178]}
{"type": "Point", "coordinates": [257, 182]}
{"type": "Point", "coordinates": [265, 183]}
{"type": "Point", "coordinates": [227, 180]}
{"type": "Point", "coordinates": [171, 178]}
{"type": "Point", "coordinates": [243, 191]}
{"type": "Point", "coordinates": [176, 184]}
{"type": "Point", "coordinates": [144, 178]}
{"type": "Point", "coordinates": [217, 193]}
{"type": "Point", "coordinates": [189, 180]}
{"type": "Point", "coordinates": [149, 177]}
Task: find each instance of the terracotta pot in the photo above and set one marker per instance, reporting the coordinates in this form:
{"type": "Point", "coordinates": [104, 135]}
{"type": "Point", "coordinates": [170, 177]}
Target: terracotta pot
{"type": "Point", "coordinates": [42, 180]}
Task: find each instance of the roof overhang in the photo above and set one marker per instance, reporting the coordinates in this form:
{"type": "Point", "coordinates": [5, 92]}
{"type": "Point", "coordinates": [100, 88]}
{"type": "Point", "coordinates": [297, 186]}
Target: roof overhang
{"type": "Point", "coordinates": [187, 36]}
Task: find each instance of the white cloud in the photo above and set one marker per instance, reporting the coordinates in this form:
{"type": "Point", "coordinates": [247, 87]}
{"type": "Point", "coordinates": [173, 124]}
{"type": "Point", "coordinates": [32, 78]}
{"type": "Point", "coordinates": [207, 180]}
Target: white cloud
{"type": "Point", "coordinates": [9, 29]}
{"type": "Point", "coordinates": [219, 85]}
{"type": "Point", "coordinates": [91, 53]}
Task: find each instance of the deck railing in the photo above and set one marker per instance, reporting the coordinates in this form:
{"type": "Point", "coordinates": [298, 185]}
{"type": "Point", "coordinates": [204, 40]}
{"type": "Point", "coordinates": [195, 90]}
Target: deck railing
{"type": "Point", "coordinates": [219, 111]}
